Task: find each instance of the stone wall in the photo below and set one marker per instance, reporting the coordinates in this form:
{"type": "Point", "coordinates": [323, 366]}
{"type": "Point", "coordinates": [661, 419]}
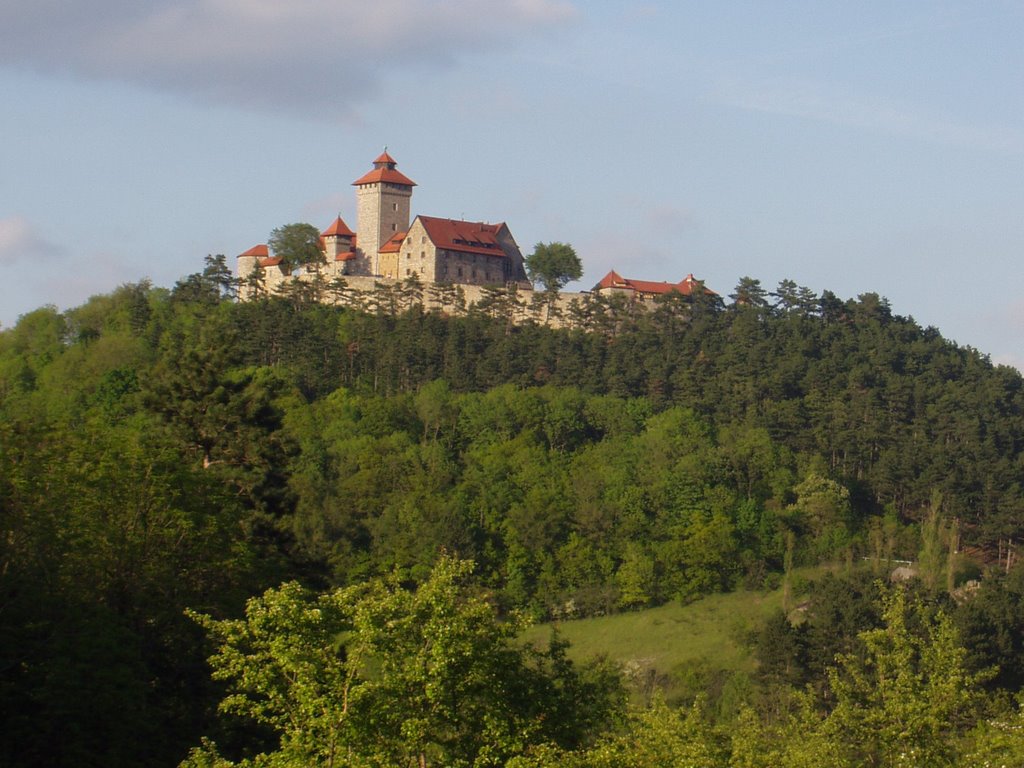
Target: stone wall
{"type": "Point", "coordinates": [516, 302]}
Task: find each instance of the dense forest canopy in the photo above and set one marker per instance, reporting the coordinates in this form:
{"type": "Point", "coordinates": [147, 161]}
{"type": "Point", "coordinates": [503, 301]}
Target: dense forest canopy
{"type": "Point", "coordinates": [164, 450]}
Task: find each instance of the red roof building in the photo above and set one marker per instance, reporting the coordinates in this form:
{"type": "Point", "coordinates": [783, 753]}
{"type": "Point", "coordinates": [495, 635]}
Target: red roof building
{"type": "Point", "coordinates": [437, 250]}
{"type": "Point", "coordinates": [614, 282]}
{"type": "Point", "coordinates": [465, 236]}
{"type": "Point", "coordinates": [261, 255]}
{"type": "Point", "coordinates": [259, 251]}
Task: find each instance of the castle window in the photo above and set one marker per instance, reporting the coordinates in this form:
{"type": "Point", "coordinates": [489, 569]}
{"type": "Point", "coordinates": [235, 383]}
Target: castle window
{"type": "Point", "coordinates": [394, 206]}
{"type": "Point", "coordinates": [394, 227]}
{"type": "Point", "coordinates": [407, 272]}
{"type": "Point", "coordinates": [423, 254]}
{"type": "Point", "coordinates": [460, 272]}
{"type": "Point", "coordinates": [423, 239]}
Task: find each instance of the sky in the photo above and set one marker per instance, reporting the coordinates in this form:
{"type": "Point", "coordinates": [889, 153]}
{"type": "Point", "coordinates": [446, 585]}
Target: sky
{"type": "Point", "coordinates": [848, 146]}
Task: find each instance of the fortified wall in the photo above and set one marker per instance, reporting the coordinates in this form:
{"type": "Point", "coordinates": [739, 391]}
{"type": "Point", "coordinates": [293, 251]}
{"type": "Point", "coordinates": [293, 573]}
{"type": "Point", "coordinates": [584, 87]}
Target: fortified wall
{"type": "Point", "coordinates": [512, 301]}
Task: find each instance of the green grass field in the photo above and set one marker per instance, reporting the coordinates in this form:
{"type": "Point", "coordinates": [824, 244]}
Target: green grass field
{"type": "Point", "coordinates": [669, 636]}
{"type": "Point", "coordinates": [681, 649]}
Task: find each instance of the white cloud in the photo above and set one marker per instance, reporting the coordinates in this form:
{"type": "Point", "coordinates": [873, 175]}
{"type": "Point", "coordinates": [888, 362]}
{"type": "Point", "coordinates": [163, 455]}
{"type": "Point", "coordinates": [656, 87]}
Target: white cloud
{"type": "Point", "coordinates": [320, 56]}
{"type": "Point", "coordinates": [19, 242]}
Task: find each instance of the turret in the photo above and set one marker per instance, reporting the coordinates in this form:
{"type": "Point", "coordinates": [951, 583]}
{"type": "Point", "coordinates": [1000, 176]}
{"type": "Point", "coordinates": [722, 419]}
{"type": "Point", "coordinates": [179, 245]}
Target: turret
{"type": "Point", "coordinates": [337, 239]}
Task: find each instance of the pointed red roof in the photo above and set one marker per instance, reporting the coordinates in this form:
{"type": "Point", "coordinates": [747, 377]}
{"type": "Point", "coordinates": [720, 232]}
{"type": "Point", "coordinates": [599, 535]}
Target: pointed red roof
{"type": "Point", "coordinates": [338, 229]}
{"type": "Point", "coordinates": [260, 251]}
{"type": "Point", "coordinates": [384, 170]}
{"type": "Point", "coordinates": [466, 236]}
{"type": "Point", "coordinates": [612, 280]}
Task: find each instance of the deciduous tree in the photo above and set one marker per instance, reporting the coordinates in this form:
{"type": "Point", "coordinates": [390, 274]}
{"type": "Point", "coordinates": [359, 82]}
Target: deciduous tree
{"type": "Point", "coordinates": [381, 675]}
{"type": "Point", "coordinates": [297, 245]}
{"type": "Point", "coordinates": [553, 265]}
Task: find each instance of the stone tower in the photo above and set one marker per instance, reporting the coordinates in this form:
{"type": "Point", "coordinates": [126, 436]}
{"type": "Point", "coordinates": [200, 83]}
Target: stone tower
{"type": "Point", "coordinates": [383, 198]}
{"type": "Point", "coordinates": [337, 240]}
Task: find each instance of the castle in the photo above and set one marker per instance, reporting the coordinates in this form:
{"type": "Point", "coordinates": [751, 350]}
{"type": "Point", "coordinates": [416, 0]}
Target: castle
{"type": "Point", "coordinates": [474, 256]}
{"type": "Point", "coordinates": [386, 245]}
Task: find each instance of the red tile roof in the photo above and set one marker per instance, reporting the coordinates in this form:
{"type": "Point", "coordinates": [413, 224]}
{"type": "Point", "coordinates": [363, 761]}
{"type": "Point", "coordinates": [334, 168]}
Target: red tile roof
{"type": "Point", "coordinates": [612, 280]}
{"type": "Point", "coordinates": [684, 286]}
{"type": "Point", "coordinates": [262, 253]}
{"type": "Point", "coordinates": [338, 229]}
{"type": "Point", "coordinates": [384, 170]}
{"type": "Point", "coordinates": [688, 283]}
{"type": "Point", "coordinates": [394, 243]}
{"type": "Point", "coordinates": [346, 256]}
{"type": "Point", "coordinates": [390, 175]}
{"type": "Point", "coordinates": [466, 236]}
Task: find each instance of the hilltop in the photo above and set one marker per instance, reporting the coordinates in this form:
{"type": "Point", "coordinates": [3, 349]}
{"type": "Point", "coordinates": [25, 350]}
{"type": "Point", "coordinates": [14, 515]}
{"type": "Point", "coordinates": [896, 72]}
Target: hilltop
{"type": "Point", "coordinates": [171, 449]}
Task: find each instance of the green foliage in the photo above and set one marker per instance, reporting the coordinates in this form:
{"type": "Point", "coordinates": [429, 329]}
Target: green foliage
{"type": "Point", "coordinates": [376, 674]}
{"type": "Point", "coordinates": [160, 449]}
{"type": "Point", "coordinates": [905, 699]}
{"type": "Point", "coordinates": [661, 736]}
{"type": "Point", "coordinates": [297, 245]}
{"type": "Point", "coordinates": [991, 624]}
{"type": "Point", "coordinates": [822, 510]}
{"type": "Point", "coordinates": [553, 265]}
{"type": "Point", "coordinates": [997, 741]}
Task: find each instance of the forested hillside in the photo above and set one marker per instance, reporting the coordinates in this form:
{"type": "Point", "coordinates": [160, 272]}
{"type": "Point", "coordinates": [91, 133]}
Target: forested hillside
{"type": "Point", "coordinates": [171, 450]}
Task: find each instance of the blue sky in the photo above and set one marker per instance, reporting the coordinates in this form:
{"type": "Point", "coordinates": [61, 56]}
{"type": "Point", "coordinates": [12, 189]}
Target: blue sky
{"type": "Point", "coordinates": [869, 146]}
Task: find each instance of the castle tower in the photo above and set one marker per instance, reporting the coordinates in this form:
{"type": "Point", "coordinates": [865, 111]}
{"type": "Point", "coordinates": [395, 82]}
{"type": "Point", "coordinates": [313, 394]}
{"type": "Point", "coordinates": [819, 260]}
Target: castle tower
{"type": "Point", "coordinates": [248, 263]}
{"type": "Point", "coordinates": [337, 239]}
{"type": "Point", "coordinates": [383, 198]}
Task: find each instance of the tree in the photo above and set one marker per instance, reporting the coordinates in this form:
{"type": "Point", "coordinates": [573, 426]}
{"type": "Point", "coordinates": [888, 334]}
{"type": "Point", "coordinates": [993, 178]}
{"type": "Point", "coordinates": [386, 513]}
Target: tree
{"type": "Point", "coordinates": [662, 736]}
{"type": "Point", "coordinates": [297, 245]}
{"type": "Point", "coordinates": [823, 508]}
{"type": "Point", "coordinates": [908, 696]}
{"type": "Point", "coordinates": [997, 741]}
{"type": "Point", "coordinates": [381, 675]}
{"type": "Point", "coordinates": [749, 293]}
{"type": "Point", "coordinates": [211, 285]}
{"type": "Point", "coordinates": [786, 295]}
{"type": "Point", "coordinates": [553, 265]}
